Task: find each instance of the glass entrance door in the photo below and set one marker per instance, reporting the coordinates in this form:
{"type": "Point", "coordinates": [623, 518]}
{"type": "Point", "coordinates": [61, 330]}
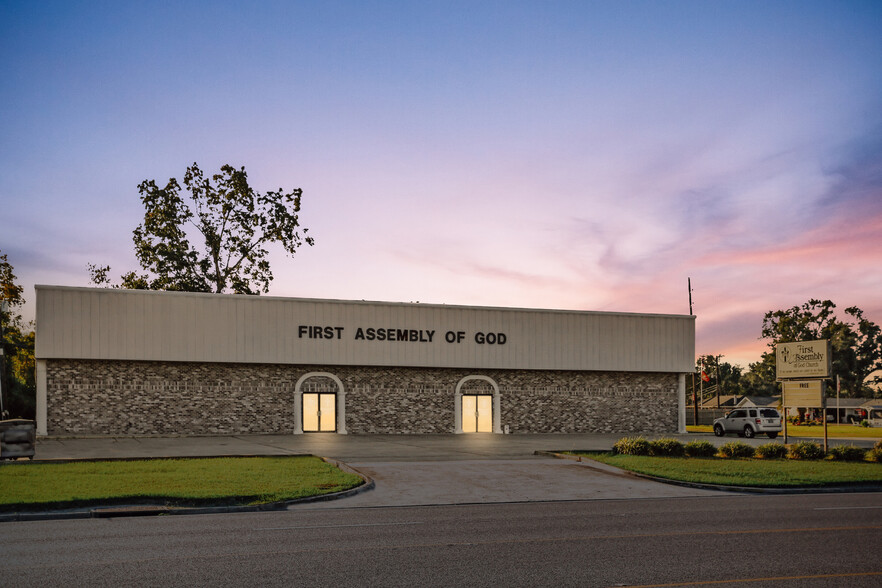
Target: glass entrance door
{"type": "Point", "coordinates": [319, 413]}
{"type": "Point", "coordinates": [477, 413]}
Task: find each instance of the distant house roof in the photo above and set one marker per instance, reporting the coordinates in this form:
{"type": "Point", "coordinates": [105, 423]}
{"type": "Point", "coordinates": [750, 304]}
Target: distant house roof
{"type": "Point", "coordinates": [726, 401]}
{"type": "Point", "coordinates": [846, 402]}
{"type": "Point", "coordinates": [760, 401]}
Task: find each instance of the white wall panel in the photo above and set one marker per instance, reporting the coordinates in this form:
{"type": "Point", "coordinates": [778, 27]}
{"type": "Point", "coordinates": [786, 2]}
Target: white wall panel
{"type": "Point", "coordinates": [94, 323]}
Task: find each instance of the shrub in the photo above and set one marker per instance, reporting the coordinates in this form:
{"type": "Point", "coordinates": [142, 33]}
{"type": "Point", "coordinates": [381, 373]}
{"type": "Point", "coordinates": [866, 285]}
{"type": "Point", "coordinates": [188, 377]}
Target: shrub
{"type": "Point", "coordinates": [875, 454]}
{"type": "Point", "coordinates": [806, 450]}
{"type": "Point", "coordinates": [847, 453]}
{"type": "Point", "coordinates": [736, 449]}
{"type": "Point", "coordinates": [666, 447]}
{"type": "Point", "coordinates": [771, 451]}
{"type": "Point", "coordinates": [632, 446]}
{"type": "Point", "coordinates": [865, 423]}
{"type": "Point", "coordinates": [700, 449]}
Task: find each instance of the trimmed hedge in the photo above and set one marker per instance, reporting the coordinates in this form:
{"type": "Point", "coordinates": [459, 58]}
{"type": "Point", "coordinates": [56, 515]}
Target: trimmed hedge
{"type": "Point", "coordinates": [735, 449]}
{"type": "Point", "coordinates": [666, 447]}
{"type": "Point", "coordinates": [771, 451]}
{"type": "Point", "coordinates": [806, 450]}
{"type": "Point", "coordinates": [632, 446]}
{"type": "Point", "coordinates": [847, 453]}
{"type": "Point", "coordinates": [700, 449]}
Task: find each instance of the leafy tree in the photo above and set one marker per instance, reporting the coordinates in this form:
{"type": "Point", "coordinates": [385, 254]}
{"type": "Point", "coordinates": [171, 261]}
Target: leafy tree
{"type": "Point", "coordinates": [760, 378]}
{"type": "Point", "coordinates": [232, 223]}
{"type": "Point", "coordinates": [730, 377]}
{"type": "Point", "coordinates": [856, 343]}
{"type": "Point", "coordinates": [813, 320]}
{"type": "Point", "coordinates": [10, 293]}
{"type": "Point", "coordinates": [17, 369]}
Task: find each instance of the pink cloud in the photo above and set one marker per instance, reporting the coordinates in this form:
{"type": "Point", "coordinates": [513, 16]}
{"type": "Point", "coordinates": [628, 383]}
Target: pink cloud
{"type": "Point", "coordinates": [846, 242]}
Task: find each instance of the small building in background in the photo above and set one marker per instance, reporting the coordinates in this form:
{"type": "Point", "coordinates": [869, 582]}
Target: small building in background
{"type": "Point", "coordinates": [759, 402]}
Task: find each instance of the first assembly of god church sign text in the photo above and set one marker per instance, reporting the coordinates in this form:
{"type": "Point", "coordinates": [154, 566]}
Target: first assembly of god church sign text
{"type": "Point", "coordinates": [391, 334]}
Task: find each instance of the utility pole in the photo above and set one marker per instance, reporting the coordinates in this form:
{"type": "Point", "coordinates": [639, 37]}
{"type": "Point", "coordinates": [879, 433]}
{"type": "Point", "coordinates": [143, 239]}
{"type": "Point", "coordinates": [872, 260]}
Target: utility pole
{"type": "Point", "coordinates": [694, 401]}
{"type": "Point", "coordinates": [701, 381]}
{"type": "Point", "coordinates": [694, 397]}
{"type": "Point", "coordinates": [2, 360]}
{"type": "Point", "coordinates": [689, 285]}
{"type": "Point", "coordinates": [837, 401]}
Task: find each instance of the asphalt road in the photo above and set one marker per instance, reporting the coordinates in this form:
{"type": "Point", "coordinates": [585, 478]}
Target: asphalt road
{"type": "Point", "coordinates": [783, 540]}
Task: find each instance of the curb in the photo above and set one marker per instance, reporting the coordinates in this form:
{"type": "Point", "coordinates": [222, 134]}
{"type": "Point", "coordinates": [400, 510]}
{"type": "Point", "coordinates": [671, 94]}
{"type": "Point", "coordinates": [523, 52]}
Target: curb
{"type": "Point", "coordinates": [142, 510]}
{"type": "Point", "coordinates": [155, 457]}
{"type": "Point", "coordinates": [839, 489]}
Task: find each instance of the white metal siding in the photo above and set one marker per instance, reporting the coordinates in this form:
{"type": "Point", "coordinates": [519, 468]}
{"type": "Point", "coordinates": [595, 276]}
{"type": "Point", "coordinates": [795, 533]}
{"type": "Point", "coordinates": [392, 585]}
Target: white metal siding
{"type": "Point", "coordinates": [92, 323]}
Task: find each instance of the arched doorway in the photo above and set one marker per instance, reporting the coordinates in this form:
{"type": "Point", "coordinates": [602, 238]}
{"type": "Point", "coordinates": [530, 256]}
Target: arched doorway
{"type": "Point", "coordinates": [320, 401]}
{"type": "Point", "coordinates": [476, 406]}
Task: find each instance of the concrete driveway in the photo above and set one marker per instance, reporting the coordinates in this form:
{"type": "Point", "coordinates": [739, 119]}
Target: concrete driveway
{"type": "Point", "coordinates": [493, 481]}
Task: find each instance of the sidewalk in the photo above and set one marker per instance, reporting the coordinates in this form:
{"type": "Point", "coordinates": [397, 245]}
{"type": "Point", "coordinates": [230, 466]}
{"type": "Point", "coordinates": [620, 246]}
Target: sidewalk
{"type": "Point", "coordinates": [347, 448]}
{"type": "Point", "coordinates": [360, 448]}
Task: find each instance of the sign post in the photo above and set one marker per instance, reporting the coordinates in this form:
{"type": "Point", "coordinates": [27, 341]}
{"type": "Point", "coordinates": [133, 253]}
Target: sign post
{"type": "Point", "coordinates": [802, 367]}
{"type": "Point", "coordinates": [837, 400]}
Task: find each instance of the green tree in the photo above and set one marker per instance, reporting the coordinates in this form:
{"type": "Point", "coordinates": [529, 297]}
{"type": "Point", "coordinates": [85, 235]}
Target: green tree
{"type": "Point", "coordinates": [724, 378]}
{"type": "Point", "coordinates": [856, 342]}
{"type": "Point", "coordinates": [232, 223]}
{"type": "Point", "coordinates": [17, 369]}
{"type": "Point", "coordinates": [760, 378]}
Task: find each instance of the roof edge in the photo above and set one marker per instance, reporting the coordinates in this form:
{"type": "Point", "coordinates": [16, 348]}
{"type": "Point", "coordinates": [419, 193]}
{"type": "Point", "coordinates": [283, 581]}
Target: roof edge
{"type": "Point", "coordinates": [127, 292]}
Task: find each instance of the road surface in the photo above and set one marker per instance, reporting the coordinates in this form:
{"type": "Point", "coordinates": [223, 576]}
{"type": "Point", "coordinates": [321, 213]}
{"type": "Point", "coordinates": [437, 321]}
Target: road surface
{"type": "Point", "coordinates": [781, 540]}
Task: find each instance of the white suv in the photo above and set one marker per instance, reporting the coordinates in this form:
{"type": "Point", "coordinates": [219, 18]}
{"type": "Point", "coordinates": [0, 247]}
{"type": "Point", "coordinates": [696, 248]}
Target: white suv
{"type": "Point", "coordinates": [747, 422]}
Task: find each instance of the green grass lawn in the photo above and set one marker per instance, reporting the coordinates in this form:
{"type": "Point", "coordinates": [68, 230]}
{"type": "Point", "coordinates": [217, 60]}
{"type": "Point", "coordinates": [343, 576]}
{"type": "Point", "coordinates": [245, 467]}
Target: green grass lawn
{"type": "Point", "coordinates": [815, 431]}
{"type": "Point", "coordinates": [765, 473]}
{"type": "Point", "coordinates": [228, 480]}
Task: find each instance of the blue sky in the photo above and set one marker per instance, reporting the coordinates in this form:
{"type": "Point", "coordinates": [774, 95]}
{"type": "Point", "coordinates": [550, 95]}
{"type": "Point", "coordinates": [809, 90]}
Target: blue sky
{"type": "Point", "coordinates": [579, 155]}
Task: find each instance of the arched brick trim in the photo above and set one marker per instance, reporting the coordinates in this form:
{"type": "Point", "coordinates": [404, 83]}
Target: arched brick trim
{"type": "Point", "coordinates": [298, 401]}
{"type": "Point", "coordinates": [457, 403]}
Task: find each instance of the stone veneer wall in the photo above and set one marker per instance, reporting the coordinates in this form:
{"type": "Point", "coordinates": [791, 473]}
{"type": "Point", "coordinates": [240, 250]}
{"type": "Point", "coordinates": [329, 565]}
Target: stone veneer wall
{"type": "Point", "coordinates": [91, 397]}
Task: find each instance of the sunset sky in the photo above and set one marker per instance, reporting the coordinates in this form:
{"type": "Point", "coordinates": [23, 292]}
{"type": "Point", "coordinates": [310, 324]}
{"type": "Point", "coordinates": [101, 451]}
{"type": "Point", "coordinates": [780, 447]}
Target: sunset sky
{"type": "Point", "coordinates": [575, 155]}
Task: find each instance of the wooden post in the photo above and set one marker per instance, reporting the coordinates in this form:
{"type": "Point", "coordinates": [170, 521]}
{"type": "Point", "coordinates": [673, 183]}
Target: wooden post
{"type": "Point", "coordinates": [784, 418]}
{"type": "Point", "coordinates": [838, 422]}
{"type": "Point", "coordinates": [784, 413]}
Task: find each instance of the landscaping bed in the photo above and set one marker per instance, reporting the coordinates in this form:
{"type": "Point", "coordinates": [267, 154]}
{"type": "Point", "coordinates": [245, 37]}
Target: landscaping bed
{"type": "Point", "coordinates": [174, 482]}
{"type": "Point", "coordinates": [772, 465]}
{"type": "Point", "coordinates": [760, 473]}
